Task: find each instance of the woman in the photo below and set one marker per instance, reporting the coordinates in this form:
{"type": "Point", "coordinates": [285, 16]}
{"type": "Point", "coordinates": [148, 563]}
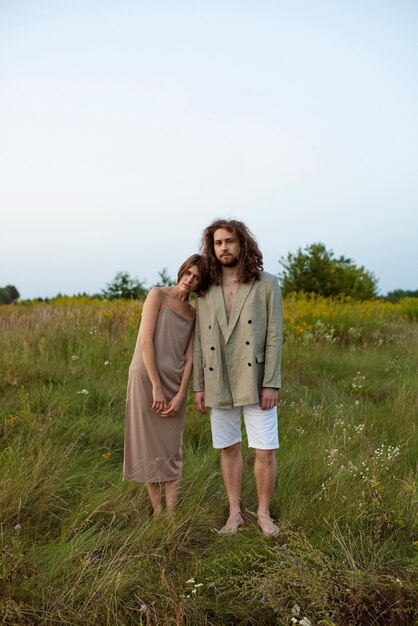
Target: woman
{"type": "Point", "coordinates": [158, 381]}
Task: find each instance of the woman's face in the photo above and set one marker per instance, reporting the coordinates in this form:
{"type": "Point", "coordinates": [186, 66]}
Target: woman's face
{"type": "Point", "coordinates": [190, 280]}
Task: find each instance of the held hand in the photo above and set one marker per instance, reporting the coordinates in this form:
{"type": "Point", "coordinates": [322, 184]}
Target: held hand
{"type": "Point", "coordinates": [173, 407]}
{"type": "Point", "coordinates": [199, 401]}
{"type": "Point", "coordinates": [159, 402]}
{"type": "Point", "coordinates": [268, 397]}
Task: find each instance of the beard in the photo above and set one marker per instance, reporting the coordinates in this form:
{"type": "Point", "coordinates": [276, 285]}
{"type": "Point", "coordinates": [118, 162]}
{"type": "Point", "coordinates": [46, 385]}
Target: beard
{"type": "Point", "coordinates": [229, 261]}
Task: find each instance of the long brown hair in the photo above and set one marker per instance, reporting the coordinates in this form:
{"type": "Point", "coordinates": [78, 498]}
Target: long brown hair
{"type": "Point", "coordinates": [195, 259]}
{"type": "Point", "coordinates": [250, 259]}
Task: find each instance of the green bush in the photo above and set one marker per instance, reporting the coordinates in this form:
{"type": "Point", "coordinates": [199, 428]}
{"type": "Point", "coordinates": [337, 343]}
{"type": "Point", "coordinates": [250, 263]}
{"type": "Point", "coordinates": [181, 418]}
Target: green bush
{"type": "Point", "coordinates": [8, 294]}
{"type": "Point", "coordinates": [316, 270]}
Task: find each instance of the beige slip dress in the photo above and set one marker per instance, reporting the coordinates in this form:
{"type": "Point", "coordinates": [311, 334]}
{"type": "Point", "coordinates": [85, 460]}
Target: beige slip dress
{"type": "Point", "coordinates": [153, 444]}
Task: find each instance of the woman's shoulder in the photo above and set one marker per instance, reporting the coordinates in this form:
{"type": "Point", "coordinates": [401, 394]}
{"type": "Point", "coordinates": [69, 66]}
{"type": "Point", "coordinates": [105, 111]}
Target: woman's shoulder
{"type": "Point", "coordinates": [156, 292]}
{"type": "Point", "coordinates": [155, 296]}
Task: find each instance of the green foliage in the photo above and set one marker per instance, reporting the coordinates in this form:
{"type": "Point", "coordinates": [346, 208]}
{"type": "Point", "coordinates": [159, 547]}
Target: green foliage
{"type": "Point", "coordinates": [316, 270]}
{"type": "Point", "coordinates": [165, 279]}
{"type": "Point", "coordinates": [399, 294]}
{"type": "Point", "coordinates": [8, 294]}
{"type": "Point", "coordinates": [125, 287]}
{"type": "Point", "coordinates": [409, 307]}
{"type": "Point", "coordinates": [292, 570]}
{"type": "Point", "coordinates": [79, 546]}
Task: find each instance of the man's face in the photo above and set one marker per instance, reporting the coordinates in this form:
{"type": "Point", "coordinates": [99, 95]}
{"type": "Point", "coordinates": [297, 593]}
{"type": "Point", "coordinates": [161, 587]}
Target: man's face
{"type": "Point", "coordinates": [227, 247]}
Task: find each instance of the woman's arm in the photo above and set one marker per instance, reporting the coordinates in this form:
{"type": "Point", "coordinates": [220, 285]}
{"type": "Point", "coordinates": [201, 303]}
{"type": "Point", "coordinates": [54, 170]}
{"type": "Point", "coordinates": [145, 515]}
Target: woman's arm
{"type": "Point", "coordinates": [175, 403]}
{"type": "Point", "coordinates": [151, 308]}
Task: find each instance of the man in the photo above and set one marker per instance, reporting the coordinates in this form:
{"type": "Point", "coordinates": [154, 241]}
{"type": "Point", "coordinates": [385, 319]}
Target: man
{"type": "Point", "coordinates": [236, 361]}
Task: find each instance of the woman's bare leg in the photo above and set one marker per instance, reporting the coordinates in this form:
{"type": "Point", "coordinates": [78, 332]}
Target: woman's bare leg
{"type": "Point", "coordinates": [154, 492]}
{"type": "Point", "coordinates": [171, 492]}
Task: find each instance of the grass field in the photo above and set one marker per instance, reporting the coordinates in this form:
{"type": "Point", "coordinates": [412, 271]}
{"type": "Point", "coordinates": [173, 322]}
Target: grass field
{"type": "Point", "coordinates": [79, 545]}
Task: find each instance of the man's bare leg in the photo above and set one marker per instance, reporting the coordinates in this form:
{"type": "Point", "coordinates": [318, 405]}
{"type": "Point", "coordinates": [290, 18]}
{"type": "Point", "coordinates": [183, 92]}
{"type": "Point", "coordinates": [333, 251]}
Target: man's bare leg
{"type": "Point", "coordinates": [231, 464]}
{"type": "Point", "coordinates": [171, 491]}
{"type": "Point", "coordinates": [265, 478]}
{"type": "Point", "coordinates": [154, 492]}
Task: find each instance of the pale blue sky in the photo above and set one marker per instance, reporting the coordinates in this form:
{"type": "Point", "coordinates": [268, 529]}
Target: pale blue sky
{"type": "Point", "coordinates": [126, 127]}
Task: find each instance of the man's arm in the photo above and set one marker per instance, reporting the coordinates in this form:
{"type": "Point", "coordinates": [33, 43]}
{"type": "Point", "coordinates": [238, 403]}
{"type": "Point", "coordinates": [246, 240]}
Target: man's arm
{"type": "Point", "coordinates": [274, 337]}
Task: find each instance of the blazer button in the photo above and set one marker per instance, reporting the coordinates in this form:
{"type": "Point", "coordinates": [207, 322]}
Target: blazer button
{"type": "Point", "coordinates": [212, 348]}
{"type": "Point", "coordinates": [247, 343]}
{"type": "Point", "coordinates": [211, 369]}
{"type": "Point", "coordinates": [250, 321]}
{"type": "Point", "coordinates": [249, 364]}
{"type": "Point", "coordinates": [210, 327]}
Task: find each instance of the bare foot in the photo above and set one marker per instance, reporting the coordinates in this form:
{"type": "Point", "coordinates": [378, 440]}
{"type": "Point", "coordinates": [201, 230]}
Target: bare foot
{"type": "Point", "coordinates": [232, 524]}
{"type": "Point", "coordinates": [267, 525]}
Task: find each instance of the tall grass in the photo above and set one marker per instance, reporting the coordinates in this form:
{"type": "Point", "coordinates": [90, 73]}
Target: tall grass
{"type": "Point", "coordinates": [79, 546]}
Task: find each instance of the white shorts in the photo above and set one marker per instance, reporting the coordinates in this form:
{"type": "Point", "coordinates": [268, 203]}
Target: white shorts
{"type": "Point", "coordinates": [260, 425]}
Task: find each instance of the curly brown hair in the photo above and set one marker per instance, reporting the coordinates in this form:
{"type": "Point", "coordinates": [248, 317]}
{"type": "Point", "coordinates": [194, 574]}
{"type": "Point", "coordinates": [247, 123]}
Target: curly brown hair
{"type": "Point", "coordinates": [250, 259]}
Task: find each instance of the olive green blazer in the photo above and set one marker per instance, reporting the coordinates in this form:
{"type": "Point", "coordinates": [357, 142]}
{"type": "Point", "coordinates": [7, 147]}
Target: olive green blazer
{"type": "Point", "coordinates": [232, 362]}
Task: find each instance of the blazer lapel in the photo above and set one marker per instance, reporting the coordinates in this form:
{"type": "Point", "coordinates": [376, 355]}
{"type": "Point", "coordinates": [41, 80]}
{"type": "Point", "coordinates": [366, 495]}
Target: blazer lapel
{"type": "Point", "coordinates": [217, 298]}
{"type": "Point", "coordinates": [239, 301]}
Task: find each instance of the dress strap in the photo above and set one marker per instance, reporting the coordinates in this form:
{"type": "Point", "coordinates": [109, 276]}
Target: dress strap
{"type": "Point", "coordinates": [164, 304]}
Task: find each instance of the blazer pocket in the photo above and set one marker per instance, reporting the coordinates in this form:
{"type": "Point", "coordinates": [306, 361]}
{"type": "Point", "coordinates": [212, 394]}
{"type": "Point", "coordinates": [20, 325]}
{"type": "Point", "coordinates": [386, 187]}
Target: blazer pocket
{"type": "Point", "coordinates": [259, 357]}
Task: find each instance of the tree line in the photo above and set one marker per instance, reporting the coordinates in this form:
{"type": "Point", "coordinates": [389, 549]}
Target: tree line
{"type": "Point", "coordinates": [313, 269]}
